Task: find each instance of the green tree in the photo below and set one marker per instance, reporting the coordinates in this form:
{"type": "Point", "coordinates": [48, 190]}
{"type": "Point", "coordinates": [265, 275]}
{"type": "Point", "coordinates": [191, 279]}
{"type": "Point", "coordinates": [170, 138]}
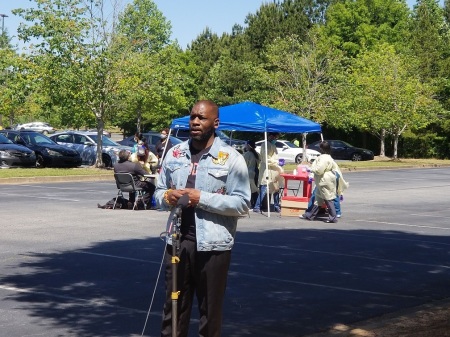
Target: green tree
{"type": "Point", "coordinates": [279, 19]}
{"type": "Point", "coordinates": [358, 25]}
{"type": "Point", "coordinates": [428, 37]}
{"type": "Point", "coordinates": [389, 96]}
{"type": "Point", "coordinates": [143, 27]}
{"type": "Point", "coordinates": [72, 56]}
{"type": "Point", "coordinates": [154, 76]}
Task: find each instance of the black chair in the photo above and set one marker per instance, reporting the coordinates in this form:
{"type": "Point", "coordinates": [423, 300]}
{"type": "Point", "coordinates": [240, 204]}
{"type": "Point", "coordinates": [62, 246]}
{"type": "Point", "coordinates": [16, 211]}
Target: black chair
{"type": "Point", "coordinates": [125, 184]}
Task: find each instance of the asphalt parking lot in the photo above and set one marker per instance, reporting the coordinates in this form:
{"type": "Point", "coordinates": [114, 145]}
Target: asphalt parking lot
{"type": "Point", "coordinates": [68, 268]}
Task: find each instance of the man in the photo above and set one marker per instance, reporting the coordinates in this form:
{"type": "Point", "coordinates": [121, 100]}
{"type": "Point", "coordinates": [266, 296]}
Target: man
{"type": "Point", "coordinates": [214, 176]}
{"type": "Point", "coordinates": [126, 166]}
{"type": "Point", "coordinates": [269, 178]}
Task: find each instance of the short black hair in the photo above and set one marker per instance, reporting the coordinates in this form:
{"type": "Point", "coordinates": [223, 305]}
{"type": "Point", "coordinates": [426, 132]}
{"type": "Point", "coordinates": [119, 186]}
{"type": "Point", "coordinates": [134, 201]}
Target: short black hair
{"type": "Point", "coordinates": [325, 147]}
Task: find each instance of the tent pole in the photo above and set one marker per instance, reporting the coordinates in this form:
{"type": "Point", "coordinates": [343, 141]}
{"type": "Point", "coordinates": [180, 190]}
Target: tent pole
{"type": "Point", "coordinates": [267, 175]}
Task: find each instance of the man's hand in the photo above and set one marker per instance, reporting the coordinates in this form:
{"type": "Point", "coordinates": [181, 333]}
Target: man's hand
{"type": "Point", "coordinates": [194, 196]}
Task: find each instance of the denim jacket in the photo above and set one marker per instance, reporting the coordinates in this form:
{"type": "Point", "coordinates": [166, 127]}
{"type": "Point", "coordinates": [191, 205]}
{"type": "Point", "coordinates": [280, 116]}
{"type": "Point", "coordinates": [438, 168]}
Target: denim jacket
{"type": "Point", "coordinates": [222, 178]}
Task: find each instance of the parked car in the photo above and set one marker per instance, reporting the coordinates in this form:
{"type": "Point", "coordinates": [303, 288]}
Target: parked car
{"type": "Point", "coordinates": [343, 150]}
{"type": "Point", "coordinates": [41, 127]}
{"type": "Point", "coordinates": [105, 133]}
{"type": "Point", "coordinates": [48, 153]}
{"type": "Point", "coordinates": [85, 143]}
{"type": "Point", "coordinates": [152, 138]}
{"type": "Point", "coordinates": [238, 144]}
{"type": "Point", "coordinates": [12, 155]}
{"type": "Point", "coordinates": [289, 152]}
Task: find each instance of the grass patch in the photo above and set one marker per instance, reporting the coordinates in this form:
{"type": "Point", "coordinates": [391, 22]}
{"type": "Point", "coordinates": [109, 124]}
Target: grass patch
{"type": "Point", "coordinates": [385, 162]}
{"type": "Point", "coordinates": [53, 172]}
{"type": "Point", "coordinates": [344, 165]}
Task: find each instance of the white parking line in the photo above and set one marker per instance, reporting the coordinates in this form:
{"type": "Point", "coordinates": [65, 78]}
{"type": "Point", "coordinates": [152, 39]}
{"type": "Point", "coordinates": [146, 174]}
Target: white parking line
{"type": "Point", "coordinates": [349, 255]}
{"type": "Point", "coordinates": [38, 197]}
{"type": "Point", "coordinates": [117, 257]}
{"type": "Point", "coordinates": [330, 287]}
{"type": "Point", "coordinates": [402, 224]}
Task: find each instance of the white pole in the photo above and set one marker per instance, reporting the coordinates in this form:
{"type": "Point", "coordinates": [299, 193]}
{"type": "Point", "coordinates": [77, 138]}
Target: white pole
{"type": "Point", "coordinates": [267, 176]}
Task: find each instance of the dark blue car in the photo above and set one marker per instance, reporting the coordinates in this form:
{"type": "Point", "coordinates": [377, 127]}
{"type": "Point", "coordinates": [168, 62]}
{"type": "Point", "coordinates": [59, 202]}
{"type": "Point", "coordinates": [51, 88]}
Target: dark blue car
{"type": "Point", "coordinates": [48, 153]}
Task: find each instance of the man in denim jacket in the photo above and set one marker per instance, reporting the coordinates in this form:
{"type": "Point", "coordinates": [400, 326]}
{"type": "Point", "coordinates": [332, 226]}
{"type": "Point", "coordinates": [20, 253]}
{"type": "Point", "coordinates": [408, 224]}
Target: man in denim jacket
{"type": "Point", "coordinates": [215, 178]}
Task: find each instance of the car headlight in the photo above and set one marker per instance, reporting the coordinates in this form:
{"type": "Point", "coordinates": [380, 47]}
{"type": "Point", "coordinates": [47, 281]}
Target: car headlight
{"type": "Point", "coordinates": [53, 153]}
{"type": "Point", "coordinates": [5, 154]}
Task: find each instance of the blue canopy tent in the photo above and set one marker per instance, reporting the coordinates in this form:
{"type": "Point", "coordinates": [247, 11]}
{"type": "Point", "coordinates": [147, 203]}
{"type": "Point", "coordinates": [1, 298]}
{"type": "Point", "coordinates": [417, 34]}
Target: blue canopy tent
{"type": "Point", "coordinates": [252, 117]}
{"type": "Point", "coordinates": [249, 116]}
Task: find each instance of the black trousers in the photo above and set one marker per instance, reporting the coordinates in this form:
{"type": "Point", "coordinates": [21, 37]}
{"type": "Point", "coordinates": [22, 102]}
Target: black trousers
{"type": "Point", "coordinates": [200, 273]}
{"type": "Point", "coordinates": [149, 189]}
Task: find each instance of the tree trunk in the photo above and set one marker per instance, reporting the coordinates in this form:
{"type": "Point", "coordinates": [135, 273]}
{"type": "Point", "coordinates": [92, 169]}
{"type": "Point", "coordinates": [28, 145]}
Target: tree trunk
{"type": "Point", "coordinates": [139, 118]}
{"type": "Point", "coordinates": [304, 159]}
{"type": "Point", "coordinates": [382, 143]}
{"type": "Point", "coordinates": [99, 162]}
{"type": "Point", "coordinates": [396, 137]}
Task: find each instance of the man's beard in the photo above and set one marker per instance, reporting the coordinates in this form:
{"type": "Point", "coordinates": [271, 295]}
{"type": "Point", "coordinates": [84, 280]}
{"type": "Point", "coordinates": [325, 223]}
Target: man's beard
{"type": "Point", "coordinates": [205, 136]}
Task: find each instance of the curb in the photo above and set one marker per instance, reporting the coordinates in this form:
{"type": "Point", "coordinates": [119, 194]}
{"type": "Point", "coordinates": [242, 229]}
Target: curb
{"type": "Point", "coordinates": [104, 177]}
{"type": "Point", "coordinates": [55, 179]}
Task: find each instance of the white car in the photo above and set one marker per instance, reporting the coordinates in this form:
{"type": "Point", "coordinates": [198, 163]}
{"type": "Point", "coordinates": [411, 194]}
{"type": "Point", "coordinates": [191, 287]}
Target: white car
{"type": "Point", "coordinates": [41, 127]}
{"type": "Point", "coordinates": [290, 152]}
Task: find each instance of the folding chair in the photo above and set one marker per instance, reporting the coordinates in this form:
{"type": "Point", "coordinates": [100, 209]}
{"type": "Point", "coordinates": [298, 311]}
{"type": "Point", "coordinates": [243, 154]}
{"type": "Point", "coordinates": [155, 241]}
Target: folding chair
{"type": "Point", "coordinates": [125, 184]}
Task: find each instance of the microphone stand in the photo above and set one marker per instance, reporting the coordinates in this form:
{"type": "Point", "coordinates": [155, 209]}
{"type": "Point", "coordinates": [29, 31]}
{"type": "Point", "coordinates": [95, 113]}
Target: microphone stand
{"type": "Point", "coordinates": [175, 260]}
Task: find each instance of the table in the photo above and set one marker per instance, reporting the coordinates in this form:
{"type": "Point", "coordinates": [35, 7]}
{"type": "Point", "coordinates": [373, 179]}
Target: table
{"type": "Point", "coordinates": [302, 179]}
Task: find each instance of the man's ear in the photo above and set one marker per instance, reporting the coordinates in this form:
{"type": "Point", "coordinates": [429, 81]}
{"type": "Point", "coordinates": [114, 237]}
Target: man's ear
{"type": "Point", "coordinates": [216, 123]}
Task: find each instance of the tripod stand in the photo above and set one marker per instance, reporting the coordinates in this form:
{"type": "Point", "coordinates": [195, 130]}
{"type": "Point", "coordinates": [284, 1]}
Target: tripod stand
{"type": "Point", "coordinates": [176, 237]}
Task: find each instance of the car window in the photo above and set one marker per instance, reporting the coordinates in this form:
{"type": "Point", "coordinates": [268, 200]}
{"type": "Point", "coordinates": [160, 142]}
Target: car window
{"type": "Point", "coordinates": [4, 140]}
{"type": "Point", "coordinates": [36, 138]}
{"type": "Point", "coordinates": [279, 145]}
{"type": "Point", "coordinates": [79, 139]}
{"type": "Point", "coordinates": [184, 134]}
{"type": "Point", "coordinates": [63, 138]}
{"type": "Point", "coordinates": [17, 139]}
{"type": "Point", "coordinates": [105, 140]}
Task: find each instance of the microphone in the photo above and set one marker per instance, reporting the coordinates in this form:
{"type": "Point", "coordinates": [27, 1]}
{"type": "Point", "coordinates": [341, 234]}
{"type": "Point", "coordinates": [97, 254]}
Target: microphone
{"type": "Point", "coordinates": [182, 203]}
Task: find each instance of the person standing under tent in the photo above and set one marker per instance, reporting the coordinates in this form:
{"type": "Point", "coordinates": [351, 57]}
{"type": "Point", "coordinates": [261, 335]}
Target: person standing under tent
{"type": "Point", "coordinates": [214, 177]}
{"type": "Point", "coordinates": [252, 160]}
{"type": "Point", "coordinates": [161, 144]}
{"type": "Point", "coordinates": [269, 178]}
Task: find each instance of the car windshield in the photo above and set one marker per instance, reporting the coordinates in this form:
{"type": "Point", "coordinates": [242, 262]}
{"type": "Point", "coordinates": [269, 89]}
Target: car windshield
{"type": "Point", "coordinates": [36, 138]}
{"type": "Point", "coordinates": [290, 144]}
{"type": "Point", "coordinates": [4, 140]}
{"type": "Point", "coordinates": [105, 140]}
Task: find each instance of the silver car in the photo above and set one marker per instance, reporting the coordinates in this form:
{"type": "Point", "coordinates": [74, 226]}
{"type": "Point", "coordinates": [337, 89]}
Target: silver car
{"type": "Point", "coordinates": [85, 143]}
{"type": "Point", "coordinates": [41, 127]}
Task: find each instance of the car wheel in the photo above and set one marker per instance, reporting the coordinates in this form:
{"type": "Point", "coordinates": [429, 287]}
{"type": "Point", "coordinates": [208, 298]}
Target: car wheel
{"type": "Point", "coordinates": [45, 132]}
{"type": "Point", "coordinates": [356, 157]}
{"type": "Point", "coordinates": [40, 161]}
{"type": "Point", "coordinates": [106, 160]}
{"type": "Point", "coordinates": [298, 158]}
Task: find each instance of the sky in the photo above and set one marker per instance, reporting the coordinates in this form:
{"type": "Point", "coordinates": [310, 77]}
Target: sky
{"type": "Point", "coordinates": [189, 18]}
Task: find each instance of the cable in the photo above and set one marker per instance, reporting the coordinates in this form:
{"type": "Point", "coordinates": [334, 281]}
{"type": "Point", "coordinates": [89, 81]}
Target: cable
{"type": "Point", "coordinates": [156, 284]}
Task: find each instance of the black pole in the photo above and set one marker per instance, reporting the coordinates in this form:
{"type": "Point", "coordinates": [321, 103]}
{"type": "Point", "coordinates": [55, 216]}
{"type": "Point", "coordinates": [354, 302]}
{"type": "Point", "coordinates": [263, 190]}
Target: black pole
{"type": "Point", "coordinates": [3, 22]}
{"type": "Point", "coordinates": [175, 260]}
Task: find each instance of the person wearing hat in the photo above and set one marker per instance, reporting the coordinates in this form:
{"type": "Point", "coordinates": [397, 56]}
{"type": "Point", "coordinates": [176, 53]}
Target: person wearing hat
{"type": "Point", "coordinates": [269, 178]}
{"type": "Point", "coordinates": [252, 160]}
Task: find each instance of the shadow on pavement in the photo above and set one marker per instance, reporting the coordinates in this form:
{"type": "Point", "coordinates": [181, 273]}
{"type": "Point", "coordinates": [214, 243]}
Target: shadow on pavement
{"type": "Point", "coordinates": [281, 282]}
